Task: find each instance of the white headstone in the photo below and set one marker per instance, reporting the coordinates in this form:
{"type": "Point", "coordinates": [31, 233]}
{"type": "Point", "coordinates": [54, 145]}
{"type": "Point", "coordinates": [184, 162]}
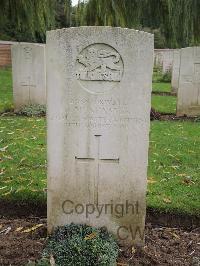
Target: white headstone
{"type": "Point", "coordinates": [29, 74]}
{"type": "Point", "coordinates": [175, 70]}
{"type": "Point", "coordinates": [189, 82]}
{"type": "Point", "coordinates": [163, 58]}
{"type": "Point", "coordinates": [99, 98]}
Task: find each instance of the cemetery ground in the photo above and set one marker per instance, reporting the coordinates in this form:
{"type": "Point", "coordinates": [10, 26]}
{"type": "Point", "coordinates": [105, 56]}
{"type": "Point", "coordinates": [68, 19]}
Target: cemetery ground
{"type": "Point", "coordinates": [173, 185]}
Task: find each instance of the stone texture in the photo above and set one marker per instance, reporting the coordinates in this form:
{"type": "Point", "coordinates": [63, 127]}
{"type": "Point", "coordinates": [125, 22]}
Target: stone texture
{"type": "Point", "coordinates": [163, 58]}
{"type": "Point", "coordinates": [175, 70]}
{"type": "Point", "coordinates": [189, 82]}
{"type": "Point", "coordinates": [29, 74]}
{"type": "Point", "coordinates": [99, 98]}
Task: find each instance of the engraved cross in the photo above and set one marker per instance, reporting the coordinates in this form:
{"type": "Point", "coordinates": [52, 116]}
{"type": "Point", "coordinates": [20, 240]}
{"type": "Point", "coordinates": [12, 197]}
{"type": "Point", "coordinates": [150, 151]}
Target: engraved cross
{"type": "Point", "coordinates": [29, 85]}
{"type": "Point", "coordinates": [97, 160]}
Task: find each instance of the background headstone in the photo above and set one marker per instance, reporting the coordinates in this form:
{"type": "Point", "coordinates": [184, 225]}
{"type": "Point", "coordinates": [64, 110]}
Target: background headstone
{"type": "Point", "coordinates": [29, 74]}
{"type": "Point", "coordinates": [175, 70]}
{"type": "Point", "coordinates": [163, 58]}
{"type": "Point", "coordinates": [189, 82]}
{"type": "Point", "coordinates": [99, 96]}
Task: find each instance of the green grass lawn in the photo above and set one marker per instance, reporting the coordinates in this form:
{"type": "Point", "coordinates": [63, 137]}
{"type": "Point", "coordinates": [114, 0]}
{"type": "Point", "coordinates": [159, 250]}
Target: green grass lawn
{"type": "Point", "coordinates": [160, 84]}
{"type": "Point", "coordinates": [161, 87]}
{"type": "Point", "coordinates": [173, 163]}
{"type": "Point", "coordinates": [22, 158]}
{"type": "Point", "coordinates": [164, 104]}
{"type": "Point", "coordinates": [6, 95]}
{"type": "Point", "coordinates": [174, 169]}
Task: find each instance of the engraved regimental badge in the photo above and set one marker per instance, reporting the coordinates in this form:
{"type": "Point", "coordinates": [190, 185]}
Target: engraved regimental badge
{"type": "Point", "coordinates": [99, 67]}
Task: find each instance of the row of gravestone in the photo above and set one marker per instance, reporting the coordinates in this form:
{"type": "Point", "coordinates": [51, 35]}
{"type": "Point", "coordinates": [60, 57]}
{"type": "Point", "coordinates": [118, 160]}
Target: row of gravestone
{"type": "Point", "coordinates": [29, 75]}
{"type": "Point", "coordinates": [186, 80]}
{"type": "Point", "coordinates": [98, 83]}
{"type": "Point", "coordinates": [185, 67]}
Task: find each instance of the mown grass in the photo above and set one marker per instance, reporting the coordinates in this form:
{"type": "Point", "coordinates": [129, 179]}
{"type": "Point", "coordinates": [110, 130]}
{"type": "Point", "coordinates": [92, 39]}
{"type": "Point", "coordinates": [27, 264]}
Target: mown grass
{"type": "Point", "coordinates": [22, 158]}
{"type": "Point", "coordinates": [161, 87]}
{"type": "Point", "coordinates": [6, 95]}
{"type": "Point", "coordinates": [164, 104]}
{"type": "Point", "coordinates": [173, 163]}
{"type": "Point", "coordinates": [174, 156]}
{"type": "Point", "coordinates": [174, 168]}
{"type": "Point", "coordinates": [161, 82]}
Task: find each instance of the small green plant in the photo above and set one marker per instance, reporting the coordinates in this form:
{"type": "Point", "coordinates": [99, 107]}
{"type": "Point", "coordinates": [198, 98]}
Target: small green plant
{"type": "Point", "coordinates": [33, 110]}
{"type": "Point", "coordinates": [81, 245]}
{"type": "Point", "coordinates": [167, 76]}
{"type": "Point", "coordinates": [159, 76]}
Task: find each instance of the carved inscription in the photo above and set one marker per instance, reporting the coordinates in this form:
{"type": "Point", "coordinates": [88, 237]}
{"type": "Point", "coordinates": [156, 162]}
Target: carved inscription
{"type": "Point", "coordinates": [187, 78]}
{"type": "Point", "coordinates": [197, 72]}
{"type": "Point", "coordinates": [99, 62]}
{"type": "Point", "coordinates": [28, 53]}
{"type": "Point", "coordinates": [103, 112]}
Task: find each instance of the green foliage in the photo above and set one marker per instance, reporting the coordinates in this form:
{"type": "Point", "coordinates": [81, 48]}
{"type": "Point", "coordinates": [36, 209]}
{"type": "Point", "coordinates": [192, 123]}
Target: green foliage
{"type": "Point", "coordinates": [159, 76]}
{"type": "Point", "coordinates": [28, 16]}
{"type": "Point", "coordinates": [166, 77]}
{"type": "Point", "coordinates": [178, 21]}
{"type": "Point", "coordinates": [63, 12]}
{"type": "Point", "coordinates": [175, 23]}
{"type": "Point", "coordinates": [28, 20]}
{"type": "Point", "coordinates": [81, 245]}
{"type": "Point", "coordinates": [33, 110]}
{"type": "Point", "coordinates": [159, 39]}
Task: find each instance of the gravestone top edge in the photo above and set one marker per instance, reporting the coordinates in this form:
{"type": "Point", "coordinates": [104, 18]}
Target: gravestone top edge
{"type": "Point", "coordinates": [190, 47]}
{"type": "Point", "coordinates": [100, 28]}
{"type": "Point", "coordinates": [28, 44]}
{"type": "Point", "coordinates": [166, 49]}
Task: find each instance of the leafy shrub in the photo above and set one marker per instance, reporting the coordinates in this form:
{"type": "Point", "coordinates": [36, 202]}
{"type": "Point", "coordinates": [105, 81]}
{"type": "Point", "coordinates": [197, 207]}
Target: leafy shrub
{"type": "Point", "coordinates": [33, 110]}
{"type": "Point", "coordinates": [167, 76]}
{"type": "Point", "coordinates": [81, 245]}
{"type": "Point", "coordinates": [158, 76]}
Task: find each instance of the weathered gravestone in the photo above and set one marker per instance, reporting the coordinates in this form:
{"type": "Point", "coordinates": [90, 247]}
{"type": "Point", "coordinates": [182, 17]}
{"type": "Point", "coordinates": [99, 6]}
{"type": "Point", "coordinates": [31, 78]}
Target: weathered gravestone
{"type": "Point", "coordinates": [175, 70]}
{"type": "Point", "coordinates": [163, 58]}
{"type": "Point", "coordinates": [99, 97]}
{"type": "Point", "coordinates": [29, 74]}
{"type": "Point", "coordinates": [189, 82]}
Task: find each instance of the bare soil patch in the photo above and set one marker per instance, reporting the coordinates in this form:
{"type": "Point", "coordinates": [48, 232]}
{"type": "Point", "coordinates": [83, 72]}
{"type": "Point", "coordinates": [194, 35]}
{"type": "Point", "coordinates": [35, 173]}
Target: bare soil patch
{"type": "Point", "coordinates": [18, 246]}
{"type": "Point", "coordinates": [164, 93]}
{"type": "Point", "coordinates": [155, 115]}
{"type": "Point", "coordinates": [21, 243]}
